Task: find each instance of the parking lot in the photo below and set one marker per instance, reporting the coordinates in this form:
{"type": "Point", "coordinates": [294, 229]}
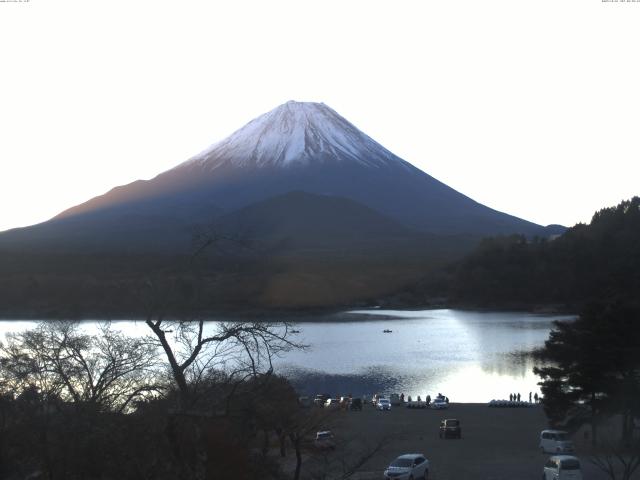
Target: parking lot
{"type": "Point", "coordinates": [496, 444]}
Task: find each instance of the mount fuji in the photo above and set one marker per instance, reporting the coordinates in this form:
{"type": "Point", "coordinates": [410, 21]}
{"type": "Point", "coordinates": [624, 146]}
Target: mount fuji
{"type": "Point", "coordinates": [261, 177]}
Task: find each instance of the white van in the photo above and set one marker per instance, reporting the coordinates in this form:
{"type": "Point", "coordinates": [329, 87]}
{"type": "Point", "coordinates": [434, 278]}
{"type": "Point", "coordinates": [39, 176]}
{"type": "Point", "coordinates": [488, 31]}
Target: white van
{"type": "Point", "coordinates": [555, 441]}
{"type": "Point", "coordinates": [562, 467]}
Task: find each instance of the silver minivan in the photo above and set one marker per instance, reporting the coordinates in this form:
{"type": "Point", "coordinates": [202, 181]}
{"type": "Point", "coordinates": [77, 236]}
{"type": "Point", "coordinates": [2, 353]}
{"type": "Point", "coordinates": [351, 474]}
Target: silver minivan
{"type": "Point", "coordinates": [555, 441]}
{"type": "Point", "coordinates": [562, 467]}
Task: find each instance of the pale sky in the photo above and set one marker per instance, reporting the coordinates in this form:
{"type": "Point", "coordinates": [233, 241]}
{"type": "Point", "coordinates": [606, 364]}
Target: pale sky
{"type": "Point", "coordinates": [530, 107]}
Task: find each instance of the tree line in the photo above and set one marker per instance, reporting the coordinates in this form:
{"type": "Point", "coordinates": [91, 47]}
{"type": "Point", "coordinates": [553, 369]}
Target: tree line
{"type": "Point", "coordinates": [598, 261]}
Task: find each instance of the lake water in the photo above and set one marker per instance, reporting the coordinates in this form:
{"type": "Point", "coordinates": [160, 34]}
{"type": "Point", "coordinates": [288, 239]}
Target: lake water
{"type": "Point", "coordinates": [468, 356]}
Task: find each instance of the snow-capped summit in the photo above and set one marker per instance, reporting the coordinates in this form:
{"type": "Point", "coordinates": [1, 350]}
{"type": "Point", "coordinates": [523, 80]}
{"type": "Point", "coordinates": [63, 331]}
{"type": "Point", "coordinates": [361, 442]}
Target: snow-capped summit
{"type": "Point", "coordinates": [296, 133]}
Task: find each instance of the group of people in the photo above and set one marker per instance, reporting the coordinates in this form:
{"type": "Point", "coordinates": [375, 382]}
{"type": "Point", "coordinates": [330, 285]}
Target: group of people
{"type": "Point", "coordinates": [427, 399]}
{"type": "Point", "coordinates": [515, 397]}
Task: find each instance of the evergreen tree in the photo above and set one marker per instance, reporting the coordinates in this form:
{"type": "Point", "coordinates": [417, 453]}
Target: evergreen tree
{"type": "Point", "coordinates": [593, 368]}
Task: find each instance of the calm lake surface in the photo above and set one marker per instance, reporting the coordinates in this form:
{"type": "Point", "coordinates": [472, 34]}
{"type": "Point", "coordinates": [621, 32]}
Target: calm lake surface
{"type": "Point", "coordinates": [468, 356]}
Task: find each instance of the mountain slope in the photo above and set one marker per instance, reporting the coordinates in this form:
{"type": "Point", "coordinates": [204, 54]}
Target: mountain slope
{"type": "Point", "coordinates": [297, 214]}
{"type": "Point", "coordinates": [303, 147]}
{"type": "Point", "coordinates": [299, 220]}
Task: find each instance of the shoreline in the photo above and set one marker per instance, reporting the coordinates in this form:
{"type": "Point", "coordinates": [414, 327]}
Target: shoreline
{"type": "Point", "coordinates": [306, 314]}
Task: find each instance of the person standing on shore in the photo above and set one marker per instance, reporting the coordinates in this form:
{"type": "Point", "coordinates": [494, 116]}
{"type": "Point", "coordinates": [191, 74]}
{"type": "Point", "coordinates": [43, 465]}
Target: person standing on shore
{"type": "Point", "coordinates": [518, 397]}
{"type": "Point", "coordinates": [511, 397]}
{"type": "Point", "coordinates": [529, 397]}
{"type": "Point", "coordinates": [535, 397]}
{"type": "Point", "coordinates": [428, 400]}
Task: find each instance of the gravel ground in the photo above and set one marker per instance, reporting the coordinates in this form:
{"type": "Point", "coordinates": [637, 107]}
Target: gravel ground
{"type": "Point", "coordinates": [496, 444]}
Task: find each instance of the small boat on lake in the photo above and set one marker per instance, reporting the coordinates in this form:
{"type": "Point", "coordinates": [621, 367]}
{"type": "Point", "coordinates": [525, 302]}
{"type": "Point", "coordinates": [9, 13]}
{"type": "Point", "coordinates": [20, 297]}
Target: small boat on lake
{"type": "Point", "coordinates": [387, 331]}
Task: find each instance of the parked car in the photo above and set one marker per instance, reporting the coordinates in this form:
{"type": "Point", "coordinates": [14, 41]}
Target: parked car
{"type": "Point", "coordinates": [394, 398]}
{"type": "Point", "coordinates": [356, 404]}
{"type": "Point", "coordinates": [383, 404]}
{"type": "Point", "coordinates": [555, 441]}
{"type": "Point", "coordinates": [321, 399]}
{"type": "Point", "coordinates": [410, 466]}
{"type": "Point", "coordinates": [450, 428]}
{"type": "Point", "coordinates": [438, 404]}
{"type": "Point", "coordinates": [562, 467]}
{"type": "Point", "coordinates": [325, 440]}
{"type": "Point", "coordinates": [332, 403]}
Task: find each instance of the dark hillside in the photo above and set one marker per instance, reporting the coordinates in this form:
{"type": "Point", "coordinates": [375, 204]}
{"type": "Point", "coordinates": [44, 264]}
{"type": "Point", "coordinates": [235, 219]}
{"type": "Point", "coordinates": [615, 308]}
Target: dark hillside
{"type": "Point", "coordinates": [588, 262]}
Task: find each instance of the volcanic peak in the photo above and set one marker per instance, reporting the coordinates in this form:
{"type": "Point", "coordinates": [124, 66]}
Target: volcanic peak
{"type": "Point", "coordinates": [296, 133]}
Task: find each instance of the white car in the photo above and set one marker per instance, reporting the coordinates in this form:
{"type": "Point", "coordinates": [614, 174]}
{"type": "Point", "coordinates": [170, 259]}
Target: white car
{"type": "Point", "coordinates": [439, 405]}
{"type": "Point", "coordinates": [383, 404]}
{"type": "Point", "coordinates": [562, 467]}
{"type": "Point", "coordinates": [410, 466]}
{"type": "Point", "coordinates": [555, 441]}
{"type": "Point", "coordinates": [324, 440]}
{"type": "Point", "coordinates": [332, 403]}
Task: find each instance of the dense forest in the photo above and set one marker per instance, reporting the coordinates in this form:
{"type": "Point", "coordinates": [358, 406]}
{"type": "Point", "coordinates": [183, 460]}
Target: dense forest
{"type": "Point", "coordinates": [598, 261]}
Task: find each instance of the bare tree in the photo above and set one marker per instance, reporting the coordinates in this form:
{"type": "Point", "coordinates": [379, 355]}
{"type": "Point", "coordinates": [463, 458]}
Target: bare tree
{"type": "Point", "coordinates": [195, 351]}
{"type": "Point", "coordinates": [210, 362]}
{"type": "Point", "coordinates": [242, 349]}
{"type": "Point", "coordinates": [617, 460]}
{"type": "Point", "coordinates": [193, 346]}
{"type": "Point", "coordinates": [58, 361]}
